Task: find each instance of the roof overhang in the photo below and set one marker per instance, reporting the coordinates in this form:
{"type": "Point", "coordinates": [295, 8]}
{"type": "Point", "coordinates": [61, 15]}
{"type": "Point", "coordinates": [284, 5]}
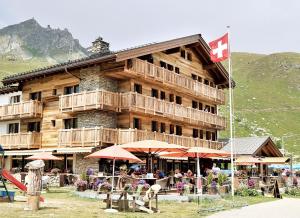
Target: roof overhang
{"type": "Point", "coordinates": [194, 41]}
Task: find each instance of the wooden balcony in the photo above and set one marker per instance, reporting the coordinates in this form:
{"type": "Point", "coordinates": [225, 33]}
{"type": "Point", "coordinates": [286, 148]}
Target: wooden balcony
{"type": "Point", "coordinates": [96, 136]}
{"type": "Point", "coordinates": [26, 109]}
{"type": "Point", "coordinates": [98, 99]}
{"type": "Point", "coordinates": [167, 77]}
{"type": "Point", "coordinates": [27, 140]}
{"type": "Point", "coordinates": [150, 105]}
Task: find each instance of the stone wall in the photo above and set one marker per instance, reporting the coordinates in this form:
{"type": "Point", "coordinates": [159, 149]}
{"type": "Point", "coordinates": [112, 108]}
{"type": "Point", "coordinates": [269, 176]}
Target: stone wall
{"type": "Point", "coordinates": [82, 164]}
{"type": "Point", "coordinates": [97, 118]}
{"type": "Point", "coordinates": [92, 79]}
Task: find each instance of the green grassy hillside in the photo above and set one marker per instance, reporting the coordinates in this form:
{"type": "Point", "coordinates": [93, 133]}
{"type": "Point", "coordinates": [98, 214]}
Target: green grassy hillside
{"type": "Point", "coordinates": [267, 96]}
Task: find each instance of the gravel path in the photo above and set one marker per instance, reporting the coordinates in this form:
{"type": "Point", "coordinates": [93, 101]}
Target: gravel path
{"type": "Point", "coordinates": [285, 208]}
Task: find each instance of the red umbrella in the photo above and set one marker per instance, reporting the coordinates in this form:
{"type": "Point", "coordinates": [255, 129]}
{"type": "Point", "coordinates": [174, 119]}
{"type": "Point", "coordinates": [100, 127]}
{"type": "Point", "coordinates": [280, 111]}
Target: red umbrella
{"type": "Point", "coordinates": [43, 156]}
{"type": "Point", "coordinates": [115, 153]}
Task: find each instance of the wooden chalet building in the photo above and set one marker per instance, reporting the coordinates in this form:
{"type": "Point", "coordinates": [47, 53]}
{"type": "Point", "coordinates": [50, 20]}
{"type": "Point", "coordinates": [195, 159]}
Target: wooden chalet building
{"type": "Point", "coordinates": [167, 91]}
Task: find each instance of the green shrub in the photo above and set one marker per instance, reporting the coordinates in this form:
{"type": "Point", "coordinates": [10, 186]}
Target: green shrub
{"type": "Point", "coordinates": [292, 191]}
{"type": "Point", "coordinates": [246, 192]}
{"type": "Point", "coordinates": [222, 178]}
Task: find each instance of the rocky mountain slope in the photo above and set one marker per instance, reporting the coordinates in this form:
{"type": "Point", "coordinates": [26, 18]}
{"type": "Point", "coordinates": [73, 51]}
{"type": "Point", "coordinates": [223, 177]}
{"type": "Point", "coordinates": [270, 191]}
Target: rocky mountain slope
{"type": "Point", "coordinates": [28, 40]}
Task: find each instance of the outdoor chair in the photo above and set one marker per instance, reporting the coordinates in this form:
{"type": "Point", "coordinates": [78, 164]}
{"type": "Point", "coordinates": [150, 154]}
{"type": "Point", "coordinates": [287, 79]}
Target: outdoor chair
{"type": "Point", "coordinates": [164, 184]}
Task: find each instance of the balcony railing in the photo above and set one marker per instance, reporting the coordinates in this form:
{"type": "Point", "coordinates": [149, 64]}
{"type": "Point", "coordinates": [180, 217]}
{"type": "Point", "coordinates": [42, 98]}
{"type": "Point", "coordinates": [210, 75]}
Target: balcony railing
{"type": "Point", "coordinates": [100, 99]}
{"type": "Point", "coordinates": [151, 105]}
{"type": "Point", "coordinates": [98, 135]}
{"type": "Point", "coordinates": [165, 76]}
{"type": "Point", "coordinates": [26, 140]}
{"type": "Point", "coordinates": [18, 110]}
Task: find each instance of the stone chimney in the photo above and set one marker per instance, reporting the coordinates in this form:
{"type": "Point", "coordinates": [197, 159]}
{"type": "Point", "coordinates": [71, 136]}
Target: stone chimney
{"type": "Point", "coordinates": [99, 46]}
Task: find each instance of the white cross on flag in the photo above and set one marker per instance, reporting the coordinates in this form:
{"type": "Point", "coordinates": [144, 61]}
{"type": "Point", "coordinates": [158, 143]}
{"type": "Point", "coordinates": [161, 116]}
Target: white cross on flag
{"type": "Point", "coordinates": [219, 49]}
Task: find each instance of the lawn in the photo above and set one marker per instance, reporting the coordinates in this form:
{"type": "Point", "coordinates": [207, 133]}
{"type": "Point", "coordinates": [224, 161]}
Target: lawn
{"type": "Point", "coordinates": [63, 203]}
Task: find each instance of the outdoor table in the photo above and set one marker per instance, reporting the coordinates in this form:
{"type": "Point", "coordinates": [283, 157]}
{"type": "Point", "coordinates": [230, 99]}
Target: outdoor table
{"type": "Point", "coordinates": [150, 181]}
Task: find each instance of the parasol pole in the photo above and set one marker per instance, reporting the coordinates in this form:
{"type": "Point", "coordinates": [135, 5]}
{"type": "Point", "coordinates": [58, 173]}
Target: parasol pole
{"type": "Point", "coordinates": [110, 210]}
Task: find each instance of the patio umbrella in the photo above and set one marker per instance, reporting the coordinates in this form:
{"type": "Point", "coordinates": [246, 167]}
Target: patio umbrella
{"type": "Point", "coordinates": [115, 153]}
{"type": "Point", "coordinates": [152, 147]}
{"type": "Point", "coordinates": [199, 152]}
{"type": "Point", "coordinates": [43, 156]}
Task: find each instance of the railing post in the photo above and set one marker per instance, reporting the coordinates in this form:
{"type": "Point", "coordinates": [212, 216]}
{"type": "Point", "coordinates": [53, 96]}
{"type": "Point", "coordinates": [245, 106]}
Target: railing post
{"type": "Point", "coordinates": [71, 141]}
{"type": "Point", "coordinates": [82, 136]}
{"type": "Point", "coordinates": [84, 99]}
{"type": "Point", "coordinates": [102, 134]}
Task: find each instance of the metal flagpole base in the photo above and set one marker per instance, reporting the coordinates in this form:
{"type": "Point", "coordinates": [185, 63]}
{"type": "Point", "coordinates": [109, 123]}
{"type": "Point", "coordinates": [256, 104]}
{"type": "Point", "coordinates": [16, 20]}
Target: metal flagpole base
{"type": "Point", "coordinates": [110, 210]}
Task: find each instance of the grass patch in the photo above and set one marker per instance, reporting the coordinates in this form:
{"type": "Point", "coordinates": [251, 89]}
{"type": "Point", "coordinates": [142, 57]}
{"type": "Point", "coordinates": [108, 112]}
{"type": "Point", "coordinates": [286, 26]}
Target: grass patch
{"type": "Point", "coordinates": [61, 203]}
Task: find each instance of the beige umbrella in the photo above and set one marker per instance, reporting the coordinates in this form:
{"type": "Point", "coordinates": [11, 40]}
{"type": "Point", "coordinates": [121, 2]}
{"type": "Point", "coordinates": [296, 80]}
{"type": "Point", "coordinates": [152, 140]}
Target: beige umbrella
{"type": "Point", "coordinates": [152, 147]}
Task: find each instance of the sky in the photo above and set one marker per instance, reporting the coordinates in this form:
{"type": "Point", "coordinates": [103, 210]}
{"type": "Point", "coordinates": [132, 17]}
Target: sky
{"type": "Point", "coordinates": [259, 26]}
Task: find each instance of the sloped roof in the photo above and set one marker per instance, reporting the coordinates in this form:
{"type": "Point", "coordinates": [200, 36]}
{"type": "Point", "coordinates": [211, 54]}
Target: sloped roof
{"type": "Point", "coordinates": [248, 145]}
{"type": "Point", "coordinates": [196, 41]}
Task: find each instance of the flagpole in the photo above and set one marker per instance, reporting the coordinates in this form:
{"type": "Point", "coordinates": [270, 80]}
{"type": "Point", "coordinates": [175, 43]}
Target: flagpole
{"type": "Point", "coordinates": [230, 113]}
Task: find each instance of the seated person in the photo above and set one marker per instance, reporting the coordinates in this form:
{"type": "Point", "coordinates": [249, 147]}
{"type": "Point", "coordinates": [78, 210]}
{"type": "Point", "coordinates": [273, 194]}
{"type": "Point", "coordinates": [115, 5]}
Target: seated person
{"type": "Point", "coordinates": [177, 175]}
{"type": "Point", "coordinates": [132, 174]}
{"type": "Point", "coordinates": [159, 174]}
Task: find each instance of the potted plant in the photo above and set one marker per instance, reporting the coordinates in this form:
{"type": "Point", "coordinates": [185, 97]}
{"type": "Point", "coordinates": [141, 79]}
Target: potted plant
{"type": "Point", "coordinates": [105, 187]}
{"type": "Point", "coordinates": [222, 178]}
{"type": "Point", "coordinates": [212, 188]}
{"type": "Point", "coordinates": [80, 185]}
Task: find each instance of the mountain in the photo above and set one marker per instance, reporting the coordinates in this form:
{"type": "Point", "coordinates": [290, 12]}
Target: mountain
{"type": "Point", "coordinates": [267, 96]}
{"type": "Point", "coordinates": [29, 40]}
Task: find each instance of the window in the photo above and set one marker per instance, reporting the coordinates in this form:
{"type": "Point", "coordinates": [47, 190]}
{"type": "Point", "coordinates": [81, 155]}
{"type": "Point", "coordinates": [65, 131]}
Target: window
{"type": "Point", "coordinates": [182, 53]}
{"type": "Point", "coordinates": [206, 82]}
{"type": "Point", "coordinates": [195, 133]}
{"type": "Point", "coordinates": [212, 84]}
{"type": "Point", "coordinates": [171, 129]}
{"type": "Point", "coordinates": [154, 126]}
{"type": "Point", "coordinates": [36, 96]}
{"type": "Point", "coordinates": [13, 128]}
{"type": "Point", "coordinates": [207, 108]}
{"type": "Point", "coordinates": [186, 55]}
{"type": "Point", "coordinates": [177, 70]}
{"type": "Point", "coordinates": [162, 127]}
{"type": "Point", "coordinates": [162, 95]}
{"type": "Point", "coordinates": [178, 130]}
{"type": "Point", "coordinates": [71, 123]}
{"type": "Point", "coordinates": [194, 76]}
{"type": "Point", "coordinates": [54, 92]}
{"type": "Point", "coordinates": [178, 100]}
{"type": "Point", "coordinates": [195, 104]}
{"type": "Point", "coordinates": [200, 106]}
{"type": "Point", "coordinates": [213, 136]}
{"type": "Point", "coordinates": [154, 93]}
{"type": "Point", "coordinates": [170, 67]}
{"type": "Point", "coordinates": [33, 127]}
{"type": "Point", "coordinates": [15, 99]}
{"type": "Point", "coordinates": [201, 134]}
{"type": "Point", "coordinates": [171, 97]}
{"type": "Point", "coordinates": [163, 64]}
{"type": "Point", "coordinates": [71, 89]}
{"type": "Point", "coordinates": [53, 122]}
{"type": "Point", "coordinates": [189, 56]}
{"type": "Point", "coordinates": [137, 123]}
{"type": "Point", "coordinates": [212, 109]}
{"type": "Point", "coordinates": [138, 88]}
{"type": "Point", "coordinates": [208, 135]}
{"type": "Point", "coordinates": [199, 79]}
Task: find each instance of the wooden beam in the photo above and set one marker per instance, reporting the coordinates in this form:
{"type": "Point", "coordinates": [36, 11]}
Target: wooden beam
{"type": "Point", "coordinates": [209, 66]}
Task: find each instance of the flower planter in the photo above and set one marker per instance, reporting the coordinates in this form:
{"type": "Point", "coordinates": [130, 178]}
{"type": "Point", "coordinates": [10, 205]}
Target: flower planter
{"type": "Point", "coordinates": [212, 190]}
{"type": "Point", "coordinates": [223, 190]}
{"type": "Point", "coordinates": [81, 188]}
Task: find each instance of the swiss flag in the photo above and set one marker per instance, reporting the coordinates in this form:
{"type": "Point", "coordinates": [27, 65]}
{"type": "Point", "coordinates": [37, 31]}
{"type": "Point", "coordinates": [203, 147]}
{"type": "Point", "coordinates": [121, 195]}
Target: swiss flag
{"type": "Point", "coordinates": [219, 49]}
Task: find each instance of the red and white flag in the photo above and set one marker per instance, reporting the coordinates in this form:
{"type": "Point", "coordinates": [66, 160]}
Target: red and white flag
{"type": "Point", "coordinates": [219, 49]}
